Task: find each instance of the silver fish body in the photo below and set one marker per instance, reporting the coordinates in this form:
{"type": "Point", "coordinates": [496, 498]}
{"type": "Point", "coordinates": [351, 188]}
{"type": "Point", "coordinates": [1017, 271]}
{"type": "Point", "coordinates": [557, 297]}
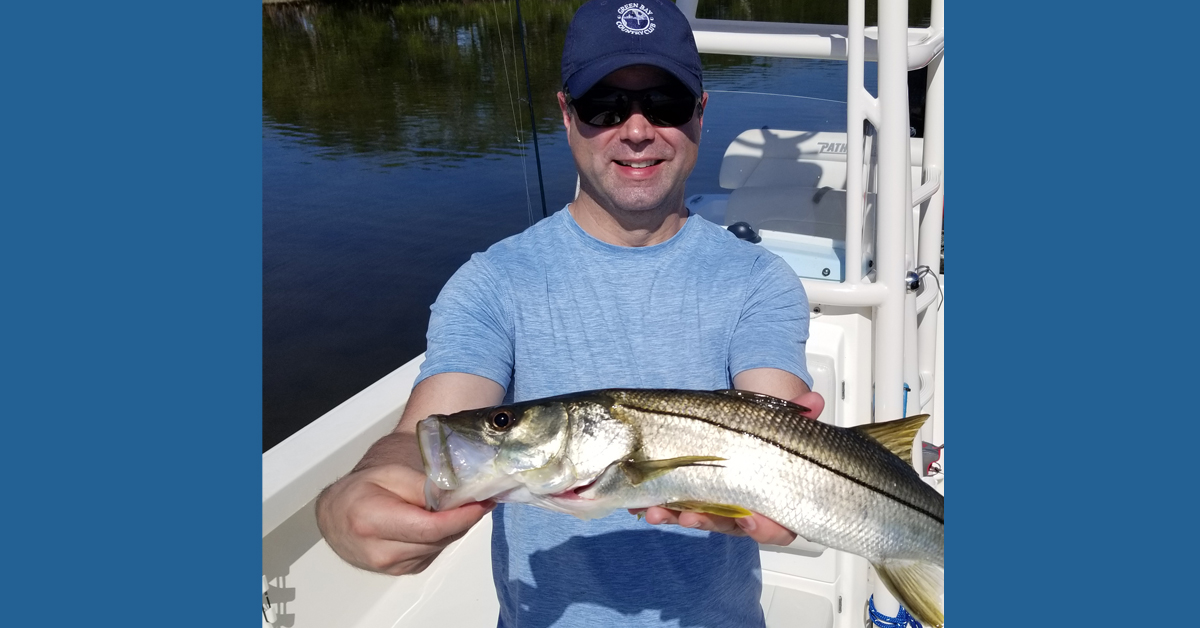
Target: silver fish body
{"type": "Point", "coordinates": [723, 452]}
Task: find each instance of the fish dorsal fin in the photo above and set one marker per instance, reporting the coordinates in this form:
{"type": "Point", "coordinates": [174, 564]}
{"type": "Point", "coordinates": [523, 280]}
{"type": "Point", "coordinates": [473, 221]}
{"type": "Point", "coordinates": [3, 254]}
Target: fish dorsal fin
{"type": "Point", "coordinates": [896, 436]}
{"type": "Point", "coordinates": [766, 401]}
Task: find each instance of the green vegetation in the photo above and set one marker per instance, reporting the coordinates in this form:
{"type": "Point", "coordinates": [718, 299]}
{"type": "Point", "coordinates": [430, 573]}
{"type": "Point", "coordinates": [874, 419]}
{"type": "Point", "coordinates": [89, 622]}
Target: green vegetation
{"type": "Point", "coordinates": [419, 77]}
{"type": "Point", "coordinates": [441, 79]}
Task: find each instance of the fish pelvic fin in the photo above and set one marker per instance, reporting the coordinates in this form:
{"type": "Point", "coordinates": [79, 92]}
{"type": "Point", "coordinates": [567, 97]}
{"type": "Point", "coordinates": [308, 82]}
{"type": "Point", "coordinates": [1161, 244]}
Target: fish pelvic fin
{"type": "Point", "coordinates": [896, 436]}
{"type": "Point", "coordinates": [919, 587]}
{"type": "Point", "coordinates": [639, 471]}
{"type": "Point", "coordinates": [722, 510]}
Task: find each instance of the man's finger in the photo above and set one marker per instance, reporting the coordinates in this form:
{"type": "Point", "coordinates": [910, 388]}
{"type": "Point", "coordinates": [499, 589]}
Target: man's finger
{"type": "Point", "coordinates": [765, 531]}
{"type": "Point", "coordinates": [756, 526]}
{"type": "Point", "coordinates": [657, 516]}
{"type": "Point", "coordinates": [700, 521]}
{"type": "Point", "coordinates": [441, 528]}
{"type": "Point", "coordinates": [712, 523]}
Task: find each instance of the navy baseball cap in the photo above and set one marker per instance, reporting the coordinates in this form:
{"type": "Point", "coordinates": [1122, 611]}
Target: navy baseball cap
{"type": "Point", "coordinates": [607, 35]}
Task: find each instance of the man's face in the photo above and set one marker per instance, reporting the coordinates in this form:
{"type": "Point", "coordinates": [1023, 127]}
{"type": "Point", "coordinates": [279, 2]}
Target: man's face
{"type": "Point", "coordinates": [634, 166]}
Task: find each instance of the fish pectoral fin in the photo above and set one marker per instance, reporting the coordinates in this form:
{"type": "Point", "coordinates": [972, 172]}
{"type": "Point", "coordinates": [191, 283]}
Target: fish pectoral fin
{"type": "Point", "coordinates": [721, 510]}
{"type": "Point", "coordinates": [639, 471]}
{"type": "Point", "coordinates": [919, 588]}
{"type": "Point", "coordinates": [896, 436]}
{"type": "Point", "coordinates": [766, 401]}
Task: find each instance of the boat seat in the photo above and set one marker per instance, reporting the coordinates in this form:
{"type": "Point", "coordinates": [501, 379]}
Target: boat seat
{"type": "Point", "coordinates": [769, 157]}
{"type": "Point", "coordinates": [814, 211]}
{"type": "Point", "coordinates": [794, 183]}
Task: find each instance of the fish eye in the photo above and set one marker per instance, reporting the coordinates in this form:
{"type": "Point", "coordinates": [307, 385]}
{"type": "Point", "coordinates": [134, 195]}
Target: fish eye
{"type": "Point", "coordinates": [501, 420]}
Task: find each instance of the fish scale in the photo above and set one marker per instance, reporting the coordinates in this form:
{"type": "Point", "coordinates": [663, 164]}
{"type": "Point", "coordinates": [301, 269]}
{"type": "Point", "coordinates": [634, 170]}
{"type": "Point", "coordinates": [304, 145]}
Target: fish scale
{"type": "Point", "coordinates": [839, 450]}
{"type": "Point", "coordinates": [724, 452]}
{"type": "Point", "coordinates": [800, 495]}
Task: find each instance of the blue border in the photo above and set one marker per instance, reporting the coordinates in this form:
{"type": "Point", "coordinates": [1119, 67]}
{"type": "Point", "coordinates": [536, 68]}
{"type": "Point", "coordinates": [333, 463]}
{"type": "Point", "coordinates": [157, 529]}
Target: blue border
{"type": "Point", "coordinates": [994, 546]}
{"type": "Point", "coordinates": [131, 248]}
{"type": "Point", "coordinates": [131, 257]}
{"type": "Point", "coordinates": [1071, 499]}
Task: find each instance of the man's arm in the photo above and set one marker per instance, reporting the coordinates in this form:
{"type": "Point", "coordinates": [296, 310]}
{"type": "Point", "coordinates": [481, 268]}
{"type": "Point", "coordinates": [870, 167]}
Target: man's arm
{"type": "Point", "coordinates": [777, 383]}
{"type": "Point", "coordinates": [375, 517]}
{"type": "Point", "coordinates": [781, 384]}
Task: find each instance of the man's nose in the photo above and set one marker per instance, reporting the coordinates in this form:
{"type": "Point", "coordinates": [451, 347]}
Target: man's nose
{"type": "Point", "coordinates": [637, 128]}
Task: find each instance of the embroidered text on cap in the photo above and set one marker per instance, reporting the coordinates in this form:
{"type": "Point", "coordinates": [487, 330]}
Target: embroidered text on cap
{"type": "Point", "coordinates": [635, 19]}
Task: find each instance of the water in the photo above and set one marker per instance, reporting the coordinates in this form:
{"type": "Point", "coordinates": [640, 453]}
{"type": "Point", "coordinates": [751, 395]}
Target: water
{"type": "Point", "coordinates": [396, 143]}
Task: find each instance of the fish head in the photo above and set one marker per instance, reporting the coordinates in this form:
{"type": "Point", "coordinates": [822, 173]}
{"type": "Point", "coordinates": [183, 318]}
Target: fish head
{"type": "Point", "coordinates": [483, 454]}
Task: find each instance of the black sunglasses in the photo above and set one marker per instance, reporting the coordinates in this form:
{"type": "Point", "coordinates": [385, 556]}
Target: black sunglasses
{"type": "Point", "coordinates": [671, 105]}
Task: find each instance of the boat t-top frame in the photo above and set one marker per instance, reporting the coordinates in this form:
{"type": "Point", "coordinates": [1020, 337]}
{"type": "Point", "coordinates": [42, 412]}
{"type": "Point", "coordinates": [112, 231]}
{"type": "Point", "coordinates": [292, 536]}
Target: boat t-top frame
{"type": "Point", "coordinates": [887, 280]}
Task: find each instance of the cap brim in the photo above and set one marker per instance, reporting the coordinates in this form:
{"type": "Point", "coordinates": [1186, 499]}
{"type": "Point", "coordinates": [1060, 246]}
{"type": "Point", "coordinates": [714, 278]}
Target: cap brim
{"type": "Point", "coordinates": [583, 80]}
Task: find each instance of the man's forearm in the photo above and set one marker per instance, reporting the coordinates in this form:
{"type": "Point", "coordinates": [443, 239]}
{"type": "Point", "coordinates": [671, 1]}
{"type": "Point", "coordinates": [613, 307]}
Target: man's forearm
{"type": "Point", "coordinates": [397, 447]}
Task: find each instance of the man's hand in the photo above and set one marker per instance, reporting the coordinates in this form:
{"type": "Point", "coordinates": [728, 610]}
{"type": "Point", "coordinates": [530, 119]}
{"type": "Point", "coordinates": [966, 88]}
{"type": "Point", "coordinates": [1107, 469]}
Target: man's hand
{"type": "Point", "coordinates": [757, 527]}
{"type": "Point", "coordinates": [375, 518]}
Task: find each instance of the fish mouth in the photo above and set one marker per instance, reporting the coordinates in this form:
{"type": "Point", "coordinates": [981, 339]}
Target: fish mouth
{"type": "Point", "coordinates": [431, 438]}
{"type": "Point", "coordinates": [458, 470]}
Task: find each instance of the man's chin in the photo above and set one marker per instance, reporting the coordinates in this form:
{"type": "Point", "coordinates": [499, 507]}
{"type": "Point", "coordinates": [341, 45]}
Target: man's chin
{"type": "Point", "coordinates": [636, 200]}
{"type": "Point", "coordinates": [646, 203]}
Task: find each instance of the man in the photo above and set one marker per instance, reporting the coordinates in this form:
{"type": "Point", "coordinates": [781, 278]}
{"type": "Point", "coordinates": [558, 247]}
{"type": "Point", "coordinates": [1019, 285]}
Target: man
{"type": "Point", "coordinates": [622, 289]}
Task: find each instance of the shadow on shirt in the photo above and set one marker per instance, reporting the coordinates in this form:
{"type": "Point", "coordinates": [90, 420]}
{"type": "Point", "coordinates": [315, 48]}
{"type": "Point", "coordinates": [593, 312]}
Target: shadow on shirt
{"type": "Point", "coordinates": [705, 580]}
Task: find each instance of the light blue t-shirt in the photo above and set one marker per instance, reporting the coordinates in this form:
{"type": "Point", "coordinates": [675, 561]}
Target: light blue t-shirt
{"type": "Point", "coordinates": [553, 310]}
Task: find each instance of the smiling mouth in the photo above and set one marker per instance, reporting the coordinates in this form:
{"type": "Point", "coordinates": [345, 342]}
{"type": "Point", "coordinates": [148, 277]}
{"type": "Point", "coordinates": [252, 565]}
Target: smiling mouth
{"type": "Point", "coordinates": [639, 164]}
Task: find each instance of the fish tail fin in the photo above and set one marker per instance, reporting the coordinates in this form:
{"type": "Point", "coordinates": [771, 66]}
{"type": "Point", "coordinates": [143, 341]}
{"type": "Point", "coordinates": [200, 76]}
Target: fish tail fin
{"type": "Point", "coordinates": [919, 587]}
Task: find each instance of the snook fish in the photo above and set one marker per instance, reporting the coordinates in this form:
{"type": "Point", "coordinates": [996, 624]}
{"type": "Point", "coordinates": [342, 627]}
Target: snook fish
{"type": "Point", "coordinates": [725, 452]}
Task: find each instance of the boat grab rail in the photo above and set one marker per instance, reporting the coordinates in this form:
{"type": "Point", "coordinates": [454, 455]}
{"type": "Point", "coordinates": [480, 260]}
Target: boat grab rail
{"type": "Point", "coordinates": [805, 41]}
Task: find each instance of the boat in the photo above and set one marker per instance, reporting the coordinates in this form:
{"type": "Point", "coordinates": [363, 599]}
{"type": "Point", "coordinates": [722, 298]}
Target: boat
{"type": "Point", "coordinates": [858, 216]}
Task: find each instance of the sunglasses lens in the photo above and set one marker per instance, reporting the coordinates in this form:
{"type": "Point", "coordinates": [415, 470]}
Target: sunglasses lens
{"type": "Point", "coordinates": [664, 107]}
{"type": "Point", "coordinates": [603, 107]}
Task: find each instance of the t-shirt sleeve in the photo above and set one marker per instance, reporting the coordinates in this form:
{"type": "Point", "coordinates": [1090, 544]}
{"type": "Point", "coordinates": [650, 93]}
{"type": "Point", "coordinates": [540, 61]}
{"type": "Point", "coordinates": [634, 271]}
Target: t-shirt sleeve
{"type": "Point", "coordinates": [773, 327]}
{"type": "Point", "coordinates": [470, 329]}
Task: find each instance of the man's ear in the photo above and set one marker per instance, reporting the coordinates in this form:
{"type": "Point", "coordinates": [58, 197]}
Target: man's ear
{"type": "Point", "coordinates": [566, 111]}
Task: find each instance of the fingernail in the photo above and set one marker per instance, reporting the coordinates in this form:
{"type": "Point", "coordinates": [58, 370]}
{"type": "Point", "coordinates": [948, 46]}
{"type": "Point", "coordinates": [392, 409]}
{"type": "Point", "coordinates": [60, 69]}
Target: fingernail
{"type": "Point", "coordinates": [746, 523]}
{"type": "Point", "coordinates": [694, 524]}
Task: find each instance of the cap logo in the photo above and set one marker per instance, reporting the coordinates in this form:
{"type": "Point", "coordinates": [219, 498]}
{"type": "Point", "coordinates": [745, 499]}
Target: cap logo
{"type": "Point", "coordinates": [635, 19]}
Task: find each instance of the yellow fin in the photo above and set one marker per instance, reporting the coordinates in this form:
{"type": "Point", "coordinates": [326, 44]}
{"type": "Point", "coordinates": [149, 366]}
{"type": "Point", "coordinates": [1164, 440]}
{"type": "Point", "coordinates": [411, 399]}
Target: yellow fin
{"type": "Point", "coordinates": [723, 510]}
{"type": "Point", "coordinates": [918, 586]}
{"type": "Point", "coordinates": [639, 471]}
{"type": "Point", "coordinates": [897, 436]}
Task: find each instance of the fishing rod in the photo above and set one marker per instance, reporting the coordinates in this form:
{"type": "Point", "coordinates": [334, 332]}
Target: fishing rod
{"type": "Point", "coordinates": [529, 100]}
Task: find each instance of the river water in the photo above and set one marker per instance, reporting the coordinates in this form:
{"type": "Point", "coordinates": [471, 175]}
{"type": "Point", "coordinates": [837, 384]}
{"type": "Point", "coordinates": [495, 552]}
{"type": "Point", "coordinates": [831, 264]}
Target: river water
{"type": "Point", "coordinates": [397, 141]}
